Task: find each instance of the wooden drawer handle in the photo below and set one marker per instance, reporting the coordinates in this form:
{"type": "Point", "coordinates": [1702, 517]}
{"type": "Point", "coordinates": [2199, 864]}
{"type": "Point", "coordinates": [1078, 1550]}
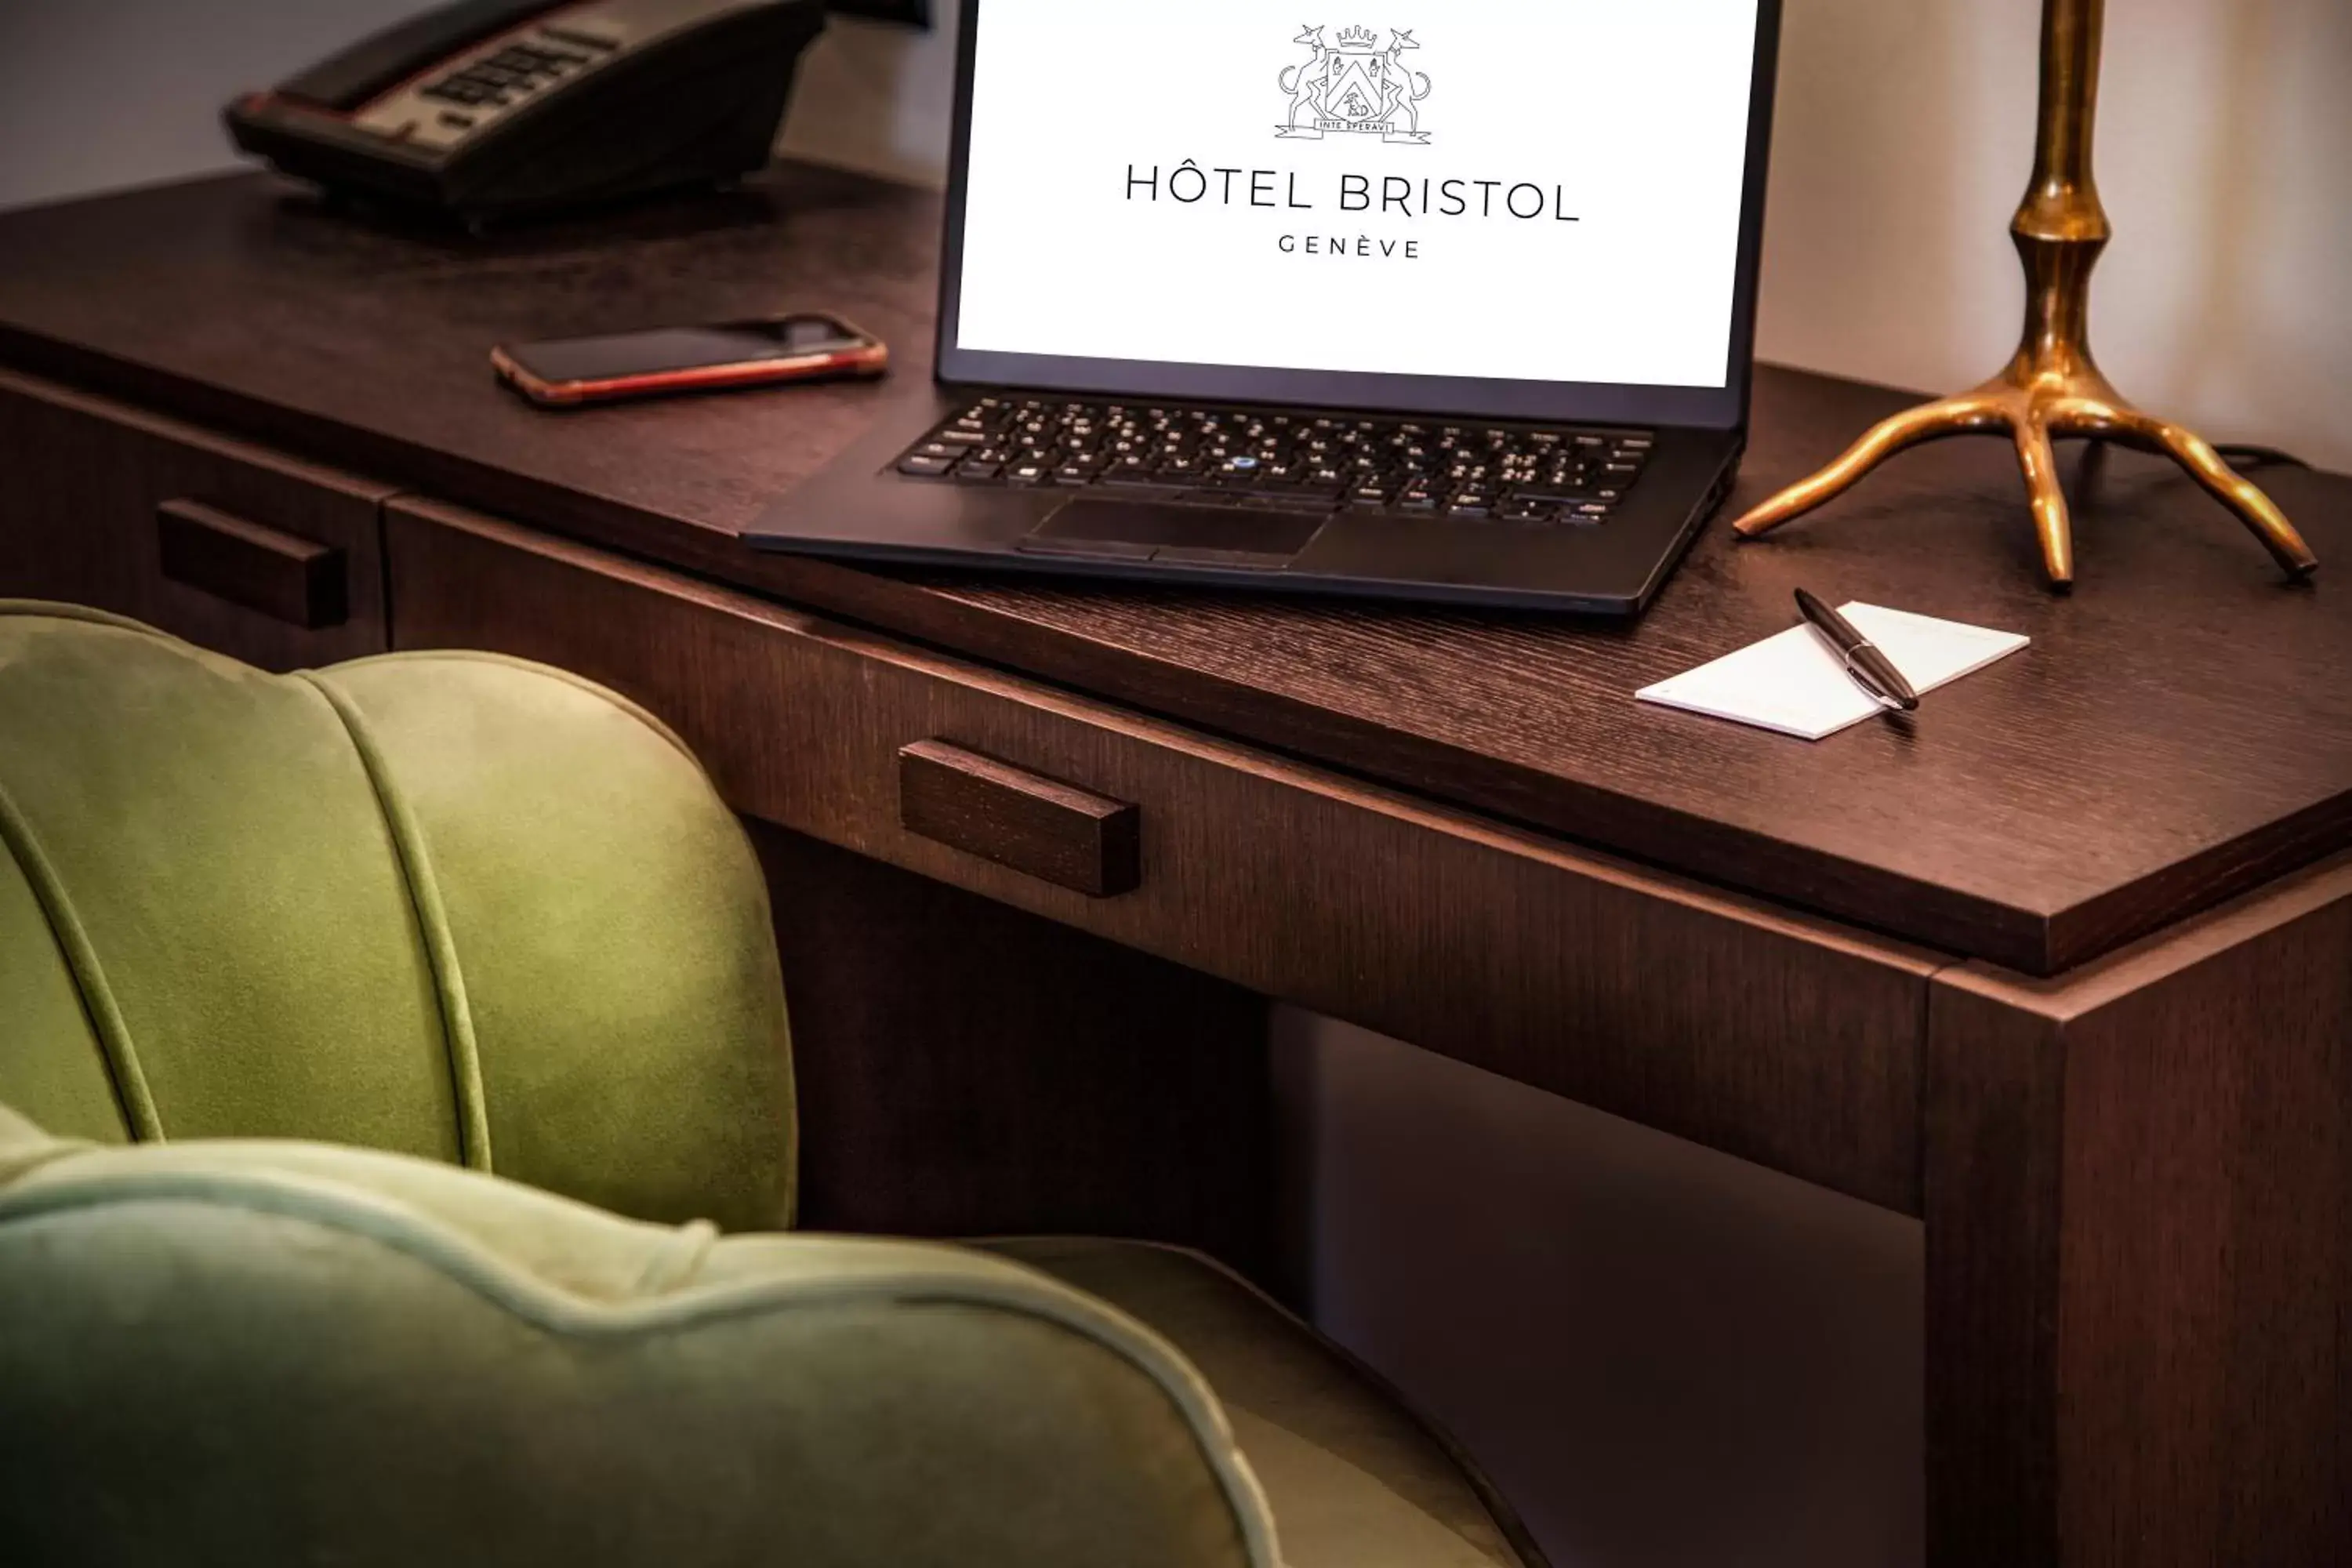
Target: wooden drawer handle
{"type": "Point", "coordinates": [1053, 831]}
{"type": "Point", "coordinates": [292, 579]}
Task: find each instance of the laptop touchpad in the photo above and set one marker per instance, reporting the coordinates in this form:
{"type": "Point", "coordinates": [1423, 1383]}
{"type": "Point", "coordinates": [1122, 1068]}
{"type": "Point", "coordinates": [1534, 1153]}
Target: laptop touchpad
{"type": "Point", "coordinates": [1179, 535]}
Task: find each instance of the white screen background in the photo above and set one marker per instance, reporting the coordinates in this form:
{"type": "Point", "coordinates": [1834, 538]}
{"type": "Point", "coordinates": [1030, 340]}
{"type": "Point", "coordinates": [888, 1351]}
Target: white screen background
{"type": "Point", "coordinates": [1637, 107]}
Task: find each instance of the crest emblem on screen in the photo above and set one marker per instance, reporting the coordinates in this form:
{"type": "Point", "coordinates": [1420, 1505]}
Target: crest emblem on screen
{"type": "Point", "coordinates": [1354, 88]}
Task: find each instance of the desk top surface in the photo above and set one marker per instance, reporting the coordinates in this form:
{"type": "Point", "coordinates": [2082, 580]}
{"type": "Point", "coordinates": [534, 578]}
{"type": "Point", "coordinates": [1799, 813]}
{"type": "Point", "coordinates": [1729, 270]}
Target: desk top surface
{"type": "Point", "coordinates": [2180, 730]}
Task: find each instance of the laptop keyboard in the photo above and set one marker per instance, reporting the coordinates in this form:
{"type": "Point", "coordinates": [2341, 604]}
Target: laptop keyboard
{"type": "Point", "coordinates": [1546, 475]}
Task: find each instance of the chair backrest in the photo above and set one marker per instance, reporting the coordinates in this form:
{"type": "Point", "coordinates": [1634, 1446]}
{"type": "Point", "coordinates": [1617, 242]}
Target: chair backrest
{"type": "Point", "coordinates": [450, 905]}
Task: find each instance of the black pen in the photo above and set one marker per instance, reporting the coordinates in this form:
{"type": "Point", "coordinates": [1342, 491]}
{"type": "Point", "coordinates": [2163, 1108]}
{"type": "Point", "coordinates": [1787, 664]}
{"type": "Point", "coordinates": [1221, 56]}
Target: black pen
{"type": "Point", "coordinates": [1870, 669]}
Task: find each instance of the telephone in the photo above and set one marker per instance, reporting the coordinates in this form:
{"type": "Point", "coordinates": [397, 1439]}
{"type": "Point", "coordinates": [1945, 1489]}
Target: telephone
{"type": "Point", "coordinates": [491, 109]}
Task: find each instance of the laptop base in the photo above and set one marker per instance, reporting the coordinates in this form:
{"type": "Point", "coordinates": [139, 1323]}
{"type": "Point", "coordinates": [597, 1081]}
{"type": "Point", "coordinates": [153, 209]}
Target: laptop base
{"type": "Point", "coordinates": [1369, 536]}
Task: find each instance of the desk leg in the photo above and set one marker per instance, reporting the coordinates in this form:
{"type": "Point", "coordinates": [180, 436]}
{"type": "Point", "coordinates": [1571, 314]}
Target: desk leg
{"type": "Point", "coordinates": [2138, 1198]}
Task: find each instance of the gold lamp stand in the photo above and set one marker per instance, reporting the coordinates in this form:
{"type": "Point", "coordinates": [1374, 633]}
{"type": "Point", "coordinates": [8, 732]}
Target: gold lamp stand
{"type": "Point", "coordinates": [2050, 388]}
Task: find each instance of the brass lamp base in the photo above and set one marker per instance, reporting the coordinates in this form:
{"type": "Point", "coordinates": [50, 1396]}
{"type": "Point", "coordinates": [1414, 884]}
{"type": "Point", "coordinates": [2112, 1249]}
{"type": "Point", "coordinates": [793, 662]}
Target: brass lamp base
{"type": "Point", "coordinates": [2051, 388]}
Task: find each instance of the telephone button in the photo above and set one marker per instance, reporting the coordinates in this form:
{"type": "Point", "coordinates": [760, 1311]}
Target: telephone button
{"type": "Point", "coordinates": [584, 40]}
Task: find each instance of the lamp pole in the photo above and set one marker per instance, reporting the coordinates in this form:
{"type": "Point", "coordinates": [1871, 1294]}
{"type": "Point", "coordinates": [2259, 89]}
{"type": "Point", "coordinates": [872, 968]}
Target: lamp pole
{"type": "Point", "coordinates": [2051, 387]}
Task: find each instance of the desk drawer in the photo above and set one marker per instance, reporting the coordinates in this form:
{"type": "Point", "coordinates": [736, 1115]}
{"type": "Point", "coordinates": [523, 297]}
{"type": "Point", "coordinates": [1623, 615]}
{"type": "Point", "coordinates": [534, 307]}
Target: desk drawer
{"type": "Point", "coordinates": [276, 561]}
{"type": "Point", "coordinates": [1774, 1036]}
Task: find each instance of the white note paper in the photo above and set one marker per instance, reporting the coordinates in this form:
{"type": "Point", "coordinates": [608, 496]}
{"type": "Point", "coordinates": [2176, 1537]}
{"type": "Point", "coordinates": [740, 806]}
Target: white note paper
{"type": "Point", "coordinates": [1796, 683]}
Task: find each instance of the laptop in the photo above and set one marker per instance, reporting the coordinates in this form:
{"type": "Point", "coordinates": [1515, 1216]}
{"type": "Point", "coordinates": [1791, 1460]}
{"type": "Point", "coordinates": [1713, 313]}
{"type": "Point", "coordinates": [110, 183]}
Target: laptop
{"type": "Point", "coordinates": [1424, 302]}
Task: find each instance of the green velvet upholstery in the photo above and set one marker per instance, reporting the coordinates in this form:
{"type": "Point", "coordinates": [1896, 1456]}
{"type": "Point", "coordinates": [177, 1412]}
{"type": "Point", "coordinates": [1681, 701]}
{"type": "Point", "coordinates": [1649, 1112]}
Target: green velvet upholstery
{"type": "Point", "coordinates": [452, 906]}
{"type": "Point", "coordinates": [291, 1354]}
{"type": "Point", "coordinates": [434, 910]}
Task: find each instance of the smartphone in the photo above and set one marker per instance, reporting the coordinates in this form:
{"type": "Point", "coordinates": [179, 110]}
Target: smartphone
{"type": "Point", "coordinates": [567, 371]}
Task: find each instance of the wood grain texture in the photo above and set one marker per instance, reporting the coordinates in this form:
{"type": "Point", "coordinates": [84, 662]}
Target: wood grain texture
{"type": "Point", "coordinates": [298, 581]}
{"type": "Point", "coordinates": [1993, 1122]}
{"type": "Point", "coordinates": [1782, 1040]}
{"type": "Point", "coordinates": [2177, 732]}
{"type": "Point", "coordinates": [1067, 835]}
{"type": "Point", "coordinates": [82, 480]}
{"type": "Point", "coordinates": [967, 1069]}
{"type": "Point", "coordinates": [2139, 1221]}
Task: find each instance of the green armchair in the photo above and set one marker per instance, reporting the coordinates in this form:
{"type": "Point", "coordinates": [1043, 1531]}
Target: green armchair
{"type": "Point", "coordinates": [481, 934]}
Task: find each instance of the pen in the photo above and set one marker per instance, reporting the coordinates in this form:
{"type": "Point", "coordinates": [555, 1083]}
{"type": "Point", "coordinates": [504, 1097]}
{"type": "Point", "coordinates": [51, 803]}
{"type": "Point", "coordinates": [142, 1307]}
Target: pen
{"type": "Point", "coordinates": [1870, 669]}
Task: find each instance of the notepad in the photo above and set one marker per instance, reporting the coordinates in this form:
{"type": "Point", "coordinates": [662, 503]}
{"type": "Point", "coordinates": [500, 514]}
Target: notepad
{"type": "Point", "coordinates": [1795, 682]}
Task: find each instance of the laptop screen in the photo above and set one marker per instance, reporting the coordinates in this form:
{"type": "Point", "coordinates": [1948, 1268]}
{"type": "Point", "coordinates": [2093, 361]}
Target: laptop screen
{"type": "Point", "coordinates": [1533, 206]}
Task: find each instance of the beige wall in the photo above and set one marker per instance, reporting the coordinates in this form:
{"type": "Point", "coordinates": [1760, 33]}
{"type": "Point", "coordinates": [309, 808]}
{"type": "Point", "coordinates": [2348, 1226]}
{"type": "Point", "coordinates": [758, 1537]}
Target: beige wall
{"type": "Point", "coordinates": [1662, 1355]}
{"type": "Point", "coordinates": [1902, 144]}
{"type": "Point", "coordinates": [98, 94]}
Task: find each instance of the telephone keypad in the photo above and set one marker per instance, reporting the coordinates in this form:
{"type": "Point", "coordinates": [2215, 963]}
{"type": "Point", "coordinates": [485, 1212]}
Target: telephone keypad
{"type": "Point", "coordinates": [473, 92]}
{"type": "Point", "coordinates": [496, 79]}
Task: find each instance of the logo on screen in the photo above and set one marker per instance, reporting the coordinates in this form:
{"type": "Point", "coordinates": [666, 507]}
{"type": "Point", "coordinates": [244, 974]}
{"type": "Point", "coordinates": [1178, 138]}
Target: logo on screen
{"type": "Point", "coordinates": [1355, 88]}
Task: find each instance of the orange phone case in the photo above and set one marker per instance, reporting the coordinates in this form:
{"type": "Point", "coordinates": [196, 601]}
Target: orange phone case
{"type": "Point", "coordinates": [871, 358]}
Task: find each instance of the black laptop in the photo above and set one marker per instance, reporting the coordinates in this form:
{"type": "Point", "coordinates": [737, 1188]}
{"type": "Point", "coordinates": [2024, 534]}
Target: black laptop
{"type": "Point", "coordinates": [1449, 302]}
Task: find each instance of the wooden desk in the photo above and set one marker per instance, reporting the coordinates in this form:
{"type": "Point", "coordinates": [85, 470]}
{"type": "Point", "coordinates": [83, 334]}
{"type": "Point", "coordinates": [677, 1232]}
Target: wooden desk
{"type": "Point", "coordinates": [2064, 967]}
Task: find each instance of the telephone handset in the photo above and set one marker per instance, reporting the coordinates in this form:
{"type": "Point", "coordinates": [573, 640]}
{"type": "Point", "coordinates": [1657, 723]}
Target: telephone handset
{"type": "Point", "coordinates": [489, 109]}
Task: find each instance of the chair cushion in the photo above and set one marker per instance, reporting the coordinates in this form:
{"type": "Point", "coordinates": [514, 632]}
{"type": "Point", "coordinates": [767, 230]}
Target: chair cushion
{"type": "Point", "coordinates": [1355, 1477]}
{"type": "Point", "coordinates": [274, 1354]}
